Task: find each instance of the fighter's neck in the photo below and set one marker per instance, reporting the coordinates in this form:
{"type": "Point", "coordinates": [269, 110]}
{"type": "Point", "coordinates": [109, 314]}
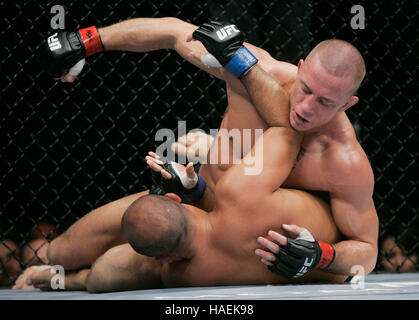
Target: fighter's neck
{"type": "Point", "coordinates": [338, 125]}
{"type": "Point", "coordinates": [198, 230]}
{"type": "Point", "coordinates": [334, 131]}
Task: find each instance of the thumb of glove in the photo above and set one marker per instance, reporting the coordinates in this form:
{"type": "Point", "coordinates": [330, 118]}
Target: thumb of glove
{"type": "Point", "coordinates": [77, 68]}
{"type": "Point", "coordinates": [210, 61]}
{"type": "Point", "coordinates": [305, 235]}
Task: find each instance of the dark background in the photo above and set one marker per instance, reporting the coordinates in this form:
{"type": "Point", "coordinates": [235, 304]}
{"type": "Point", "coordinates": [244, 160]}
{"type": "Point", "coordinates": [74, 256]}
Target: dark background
{"type": "Point", "coordinates": [69, 148]}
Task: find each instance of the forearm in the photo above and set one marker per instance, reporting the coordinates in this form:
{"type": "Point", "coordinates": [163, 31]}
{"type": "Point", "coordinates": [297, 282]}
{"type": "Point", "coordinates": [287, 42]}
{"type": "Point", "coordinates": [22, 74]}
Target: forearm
{"type": "Point", "coordinates": [352, 253]}
{"type": "Point", "coordinates": [76, 281]}
{"type": "Point", "coordinates": [269, 98]}
{"type": "Point", "coordinates": [121, 268]}
{"type": "Point", "coordinates": [140, 34]}
{"type": "Point", "coordinates": [358, 222]}
{"type": "Point", "coordinates": [150, 34]}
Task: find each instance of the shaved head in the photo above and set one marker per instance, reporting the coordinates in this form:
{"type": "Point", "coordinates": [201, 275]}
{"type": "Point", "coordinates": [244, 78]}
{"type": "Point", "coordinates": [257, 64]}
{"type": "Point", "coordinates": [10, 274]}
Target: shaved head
{"type": "Point", "coordinates": [341, 59]}
{"type": "Point", "coordinates": [155, 225]}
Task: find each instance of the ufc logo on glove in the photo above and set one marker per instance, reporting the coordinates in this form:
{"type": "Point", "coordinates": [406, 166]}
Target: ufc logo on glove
{"type": "Point", "coordinates": [225, 43]}
{"type": "Point", "coordinates": [305, 268]}
{"type": "Point", "coordinates": [226, 31]}
{"type": "Point", "coordinates": [53, 42]}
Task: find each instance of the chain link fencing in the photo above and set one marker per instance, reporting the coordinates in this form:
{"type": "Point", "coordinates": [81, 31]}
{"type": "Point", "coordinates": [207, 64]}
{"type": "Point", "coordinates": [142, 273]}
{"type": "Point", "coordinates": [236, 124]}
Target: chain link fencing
{"type": "Point", "coordinates": [69, 148]}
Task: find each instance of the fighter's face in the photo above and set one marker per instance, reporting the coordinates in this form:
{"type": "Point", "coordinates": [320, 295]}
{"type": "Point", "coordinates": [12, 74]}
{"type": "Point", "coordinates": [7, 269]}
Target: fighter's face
{"type": "Point", "coordinates": [395, 259]}
{"type": "Point", "coordinates": [317, 96]}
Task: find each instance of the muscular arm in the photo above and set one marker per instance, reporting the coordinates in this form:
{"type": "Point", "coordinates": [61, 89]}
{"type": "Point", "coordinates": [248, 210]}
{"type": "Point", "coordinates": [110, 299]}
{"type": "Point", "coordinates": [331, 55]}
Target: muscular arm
{"type": "Point", "coordinates": [274, 153]}
{"type": "Point", "coordinates": [360, 227]}
{"type": "Point", "coordinates": [121, 268]}
{"type": "Point", "coordinates": [355, 216]}
{"type": "Point", "coordinates": [76, 280]}
{"type": "Point", "coordinates": [265, 167]}
{"type": "Point", "coordinates": [269, 98]}
{"type": "Point", "coordinates": [149, 34]}
{"type": "Point", "coordinates": [42, 277]}
{"type": "Point", "coordinates": [272, 158]}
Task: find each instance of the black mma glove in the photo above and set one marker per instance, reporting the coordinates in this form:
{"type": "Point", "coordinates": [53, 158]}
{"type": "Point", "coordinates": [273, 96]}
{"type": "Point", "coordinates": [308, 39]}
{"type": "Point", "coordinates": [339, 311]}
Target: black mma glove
{"type": "Point", "coordinates": [301, 255]}
{"type": "Point", "coordinates": [225, 42]}
{"type": "Point", "coordinates": [189, 190]}
{"type": "Point", "coordinates": [63, 50]}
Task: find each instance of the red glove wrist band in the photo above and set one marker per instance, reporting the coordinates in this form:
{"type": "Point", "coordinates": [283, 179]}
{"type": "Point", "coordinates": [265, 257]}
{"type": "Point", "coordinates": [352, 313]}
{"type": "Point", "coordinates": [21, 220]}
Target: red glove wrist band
{"type": "Point", "coordinates": [91, 40]}
{"type": "Point", "coordinates": [327, 257]}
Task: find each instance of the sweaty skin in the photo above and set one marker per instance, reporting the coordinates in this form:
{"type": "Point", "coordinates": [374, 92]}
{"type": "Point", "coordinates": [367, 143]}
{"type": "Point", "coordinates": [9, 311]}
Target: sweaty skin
{"type": "Point", "coordinates": [330, 160]}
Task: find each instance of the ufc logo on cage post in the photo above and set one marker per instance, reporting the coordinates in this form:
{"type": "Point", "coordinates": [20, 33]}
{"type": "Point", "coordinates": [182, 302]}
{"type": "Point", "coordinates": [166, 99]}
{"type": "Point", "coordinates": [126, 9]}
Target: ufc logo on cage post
{"type": "Point", "coordinates": [226, 31]}
{"type": "Point", "coordinates": [58, 20]}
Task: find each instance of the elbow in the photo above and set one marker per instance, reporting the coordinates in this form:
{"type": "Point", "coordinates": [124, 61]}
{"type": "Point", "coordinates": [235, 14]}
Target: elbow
{"type": "Point", "coordinates": [368, 268]}
{"type": "Point", "coordinates": [175, 28]}
{"type": "Point", "coordinates": [171, 22]}
{"type": "Point", "coordinates": [373, 261]}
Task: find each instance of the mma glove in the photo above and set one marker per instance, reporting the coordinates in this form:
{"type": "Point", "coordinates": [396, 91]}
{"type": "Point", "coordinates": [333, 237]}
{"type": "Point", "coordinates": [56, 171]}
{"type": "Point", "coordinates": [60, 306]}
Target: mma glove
{"type": "Point", "coordinates": [225, 42]}
{"type": "Point", "coordinates": [301, 255]}
{"type": "Point", "coordinates": [67, 50]}
{"type": "Point", "coordinates": [189, 190]}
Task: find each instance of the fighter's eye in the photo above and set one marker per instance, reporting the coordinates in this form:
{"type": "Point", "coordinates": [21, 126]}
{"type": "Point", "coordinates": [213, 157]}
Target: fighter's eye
{"type": "Point", "coordinates": [305, 88]}
{"type": "Point", "coordinates": [325, 103]}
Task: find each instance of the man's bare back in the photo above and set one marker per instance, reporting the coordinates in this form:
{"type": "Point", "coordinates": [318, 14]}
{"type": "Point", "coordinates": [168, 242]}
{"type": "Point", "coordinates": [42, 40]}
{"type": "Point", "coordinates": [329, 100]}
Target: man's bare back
{"type": "Point", "coordinates": [225, 253]}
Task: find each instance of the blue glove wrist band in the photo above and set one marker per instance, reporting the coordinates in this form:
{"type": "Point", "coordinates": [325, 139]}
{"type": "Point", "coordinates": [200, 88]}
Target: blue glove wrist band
{"type": "Point", "coordinates": [241, 62]}
{"type": "Point", "coordinates": [197, 193]}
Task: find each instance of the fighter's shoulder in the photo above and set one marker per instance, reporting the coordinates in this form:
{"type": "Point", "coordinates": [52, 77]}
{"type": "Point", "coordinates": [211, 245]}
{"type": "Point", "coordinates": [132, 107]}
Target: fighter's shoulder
{"type": "Point", "coordinates": [349, 164]}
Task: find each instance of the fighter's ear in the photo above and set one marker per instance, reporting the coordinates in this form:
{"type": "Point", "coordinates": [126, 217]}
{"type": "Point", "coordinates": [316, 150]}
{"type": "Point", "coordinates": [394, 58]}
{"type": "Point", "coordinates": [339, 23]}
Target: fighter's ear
{"type": "Point", "coordinates": [173, 196]}
{"type": "Point", "coordinates": [352, 101]}
{"type": "Point", "coordinates": [300, 64]}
